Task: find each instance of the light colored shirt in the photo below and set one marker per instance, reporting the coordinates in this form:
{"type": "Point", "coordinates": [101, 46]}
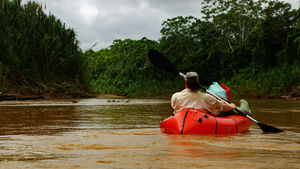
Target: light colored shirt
{"type": "Point", "coordinates": [197, 100]}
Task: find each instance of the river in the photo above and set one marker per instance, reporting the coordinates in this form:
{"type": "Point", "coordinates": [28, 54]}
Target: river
{"type": "Point", "coordinates": [121, 133]}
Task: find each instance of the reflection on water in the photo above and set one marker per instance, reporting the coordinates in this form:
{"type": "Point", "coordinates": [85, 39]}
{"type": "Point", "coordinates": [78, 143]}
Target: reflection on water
{"type": "Point", "coordinates": [37, 120]}
{"type": "Point", "coordinates": [283, 114]}
{"type": "Point", "coordinates": [95, 133]}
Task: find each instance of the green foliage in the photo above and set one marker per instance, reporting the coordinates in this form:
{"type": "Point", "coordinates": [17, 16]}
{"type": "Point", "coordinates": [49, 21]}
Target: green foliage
{"type": "Point", "coordinates": [278, 80]}
{"type": "Point", "coordinates": [36, 48]}
{"type": "Point", "coordinates": [270, 35]}
{"type": "Point", "coordinates": [124, 69]}
{"type": "Point", "coordinates": [234, 19]}
{"type": "Point", "coordinates": [253, 46]}
{"type": "Point", "coordinates": [190, 40]}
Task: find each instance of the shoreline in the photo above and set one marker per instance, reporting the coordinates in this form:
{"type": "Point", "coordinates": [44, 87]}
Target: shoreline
{"type": "Point", "coordinates": [17, 96]}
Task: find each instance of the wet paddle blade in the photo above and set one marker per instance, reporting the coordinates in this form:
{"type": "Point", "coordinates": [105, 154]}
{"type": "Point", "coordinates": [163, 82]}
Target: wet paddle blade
{"type": "Point", "coordinates": [269, 129]}
{"type": "Point", "coordinates": [265, 128]}
{"type": "Point", "coordinates": [161, 62]}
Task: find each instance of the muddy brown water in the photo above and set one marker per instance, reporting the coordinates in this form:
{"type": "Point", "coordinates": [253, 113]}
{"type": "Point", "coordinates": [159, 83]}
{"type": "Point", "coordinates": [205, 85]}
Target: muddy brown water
{"type": "Point", "coordinates": [106, 133]}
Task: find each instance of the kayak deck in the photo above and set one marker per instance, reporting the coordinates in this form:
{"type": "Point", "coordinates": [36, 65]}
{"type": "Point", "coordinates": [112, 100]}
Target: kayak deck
{"type": "Point", "coordinates": [193, 121]}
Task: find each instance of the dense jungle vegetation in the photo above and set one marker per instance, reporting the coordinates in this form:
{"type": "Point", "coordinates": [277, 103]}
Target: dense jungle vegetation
{"type": "Point", "coordinates": [253, 49]}
{"type": "Point", "coordinates": [251, 46]}
{"type": "Point", "coordinates": [38, 54]}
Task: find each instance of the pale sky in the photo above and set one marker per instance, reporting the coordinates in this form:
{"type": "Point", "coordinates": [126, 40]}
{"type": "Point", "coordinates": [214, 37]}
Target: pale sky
{"type": "Point", "coordinates": [103, 21]}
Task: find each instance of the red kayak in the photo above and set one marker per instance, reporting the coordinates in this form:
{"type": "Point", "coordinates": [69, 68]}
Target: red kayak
{"type": "Point", "coordinates": [193, 121]}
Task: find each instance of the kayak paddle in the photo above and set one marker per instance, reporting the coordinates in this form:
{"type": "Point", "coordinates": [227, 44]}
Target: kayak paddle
{"type": "Point", "coordinates": [160, 61]}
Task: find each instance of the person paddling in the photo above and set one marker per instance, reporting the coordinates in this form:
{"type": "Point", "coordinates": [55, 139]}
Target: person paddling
{"type": "Point", "coordinates": [191, 97]}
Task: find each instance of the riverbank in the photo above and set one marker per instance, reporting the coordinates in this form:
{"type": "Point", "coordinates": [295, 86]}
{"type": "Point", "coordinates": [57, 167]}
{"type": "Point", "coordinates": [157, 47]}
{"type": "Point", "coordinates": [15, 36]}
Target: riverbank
{"type": "Point", "coordinates": [248, 93]}
{"type": "Point", "coordinates": [294, 95]}
{"type": "Point", "coordinates": [37, 89]}
{"type": "Point", "coordinates": [72, 89]}
{"type": "Point", "coordinates": [44, 94]}
{"type": "Point", "coordinates": [18, 96]}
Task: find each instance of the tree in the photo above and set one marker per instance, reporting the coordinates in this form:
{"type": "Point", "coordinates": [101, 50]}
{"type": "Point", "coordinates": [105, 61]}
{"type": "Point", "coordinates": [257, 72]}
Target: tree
{"type": "Point", "coordinates": [234, 19]}
{"type": "Point", "coordinates": [192, 45]}
{"type": "Point", "coordinates": [271, 34]}
{"type": "Point", "coordinates": [122, 68]}
{"type": "Point", "coordinates": [36, 48]}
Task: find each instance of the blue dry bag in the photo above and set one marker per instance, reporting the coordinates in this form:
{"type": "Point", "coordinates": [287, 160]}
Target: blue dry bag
{"type": "Point", "coordinates": [215, 88]}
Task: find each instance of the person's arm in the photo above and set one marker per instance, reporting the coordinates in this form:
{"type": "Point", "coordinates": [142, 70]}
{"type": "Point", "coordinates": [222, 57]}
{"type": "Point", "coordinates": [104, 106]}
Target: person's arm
{"type": "Point", "coordinates": [215, 107]}
{"type": "Point", "coordinates": [174, 102]}
{"type": "Point", "coordinates": [228, 107]}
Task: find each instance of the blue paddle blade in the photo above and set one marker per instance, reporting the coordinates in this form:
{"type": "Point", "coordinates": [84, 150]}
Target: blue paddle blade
{"type": "Point", "coordinates": [161, 62]}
